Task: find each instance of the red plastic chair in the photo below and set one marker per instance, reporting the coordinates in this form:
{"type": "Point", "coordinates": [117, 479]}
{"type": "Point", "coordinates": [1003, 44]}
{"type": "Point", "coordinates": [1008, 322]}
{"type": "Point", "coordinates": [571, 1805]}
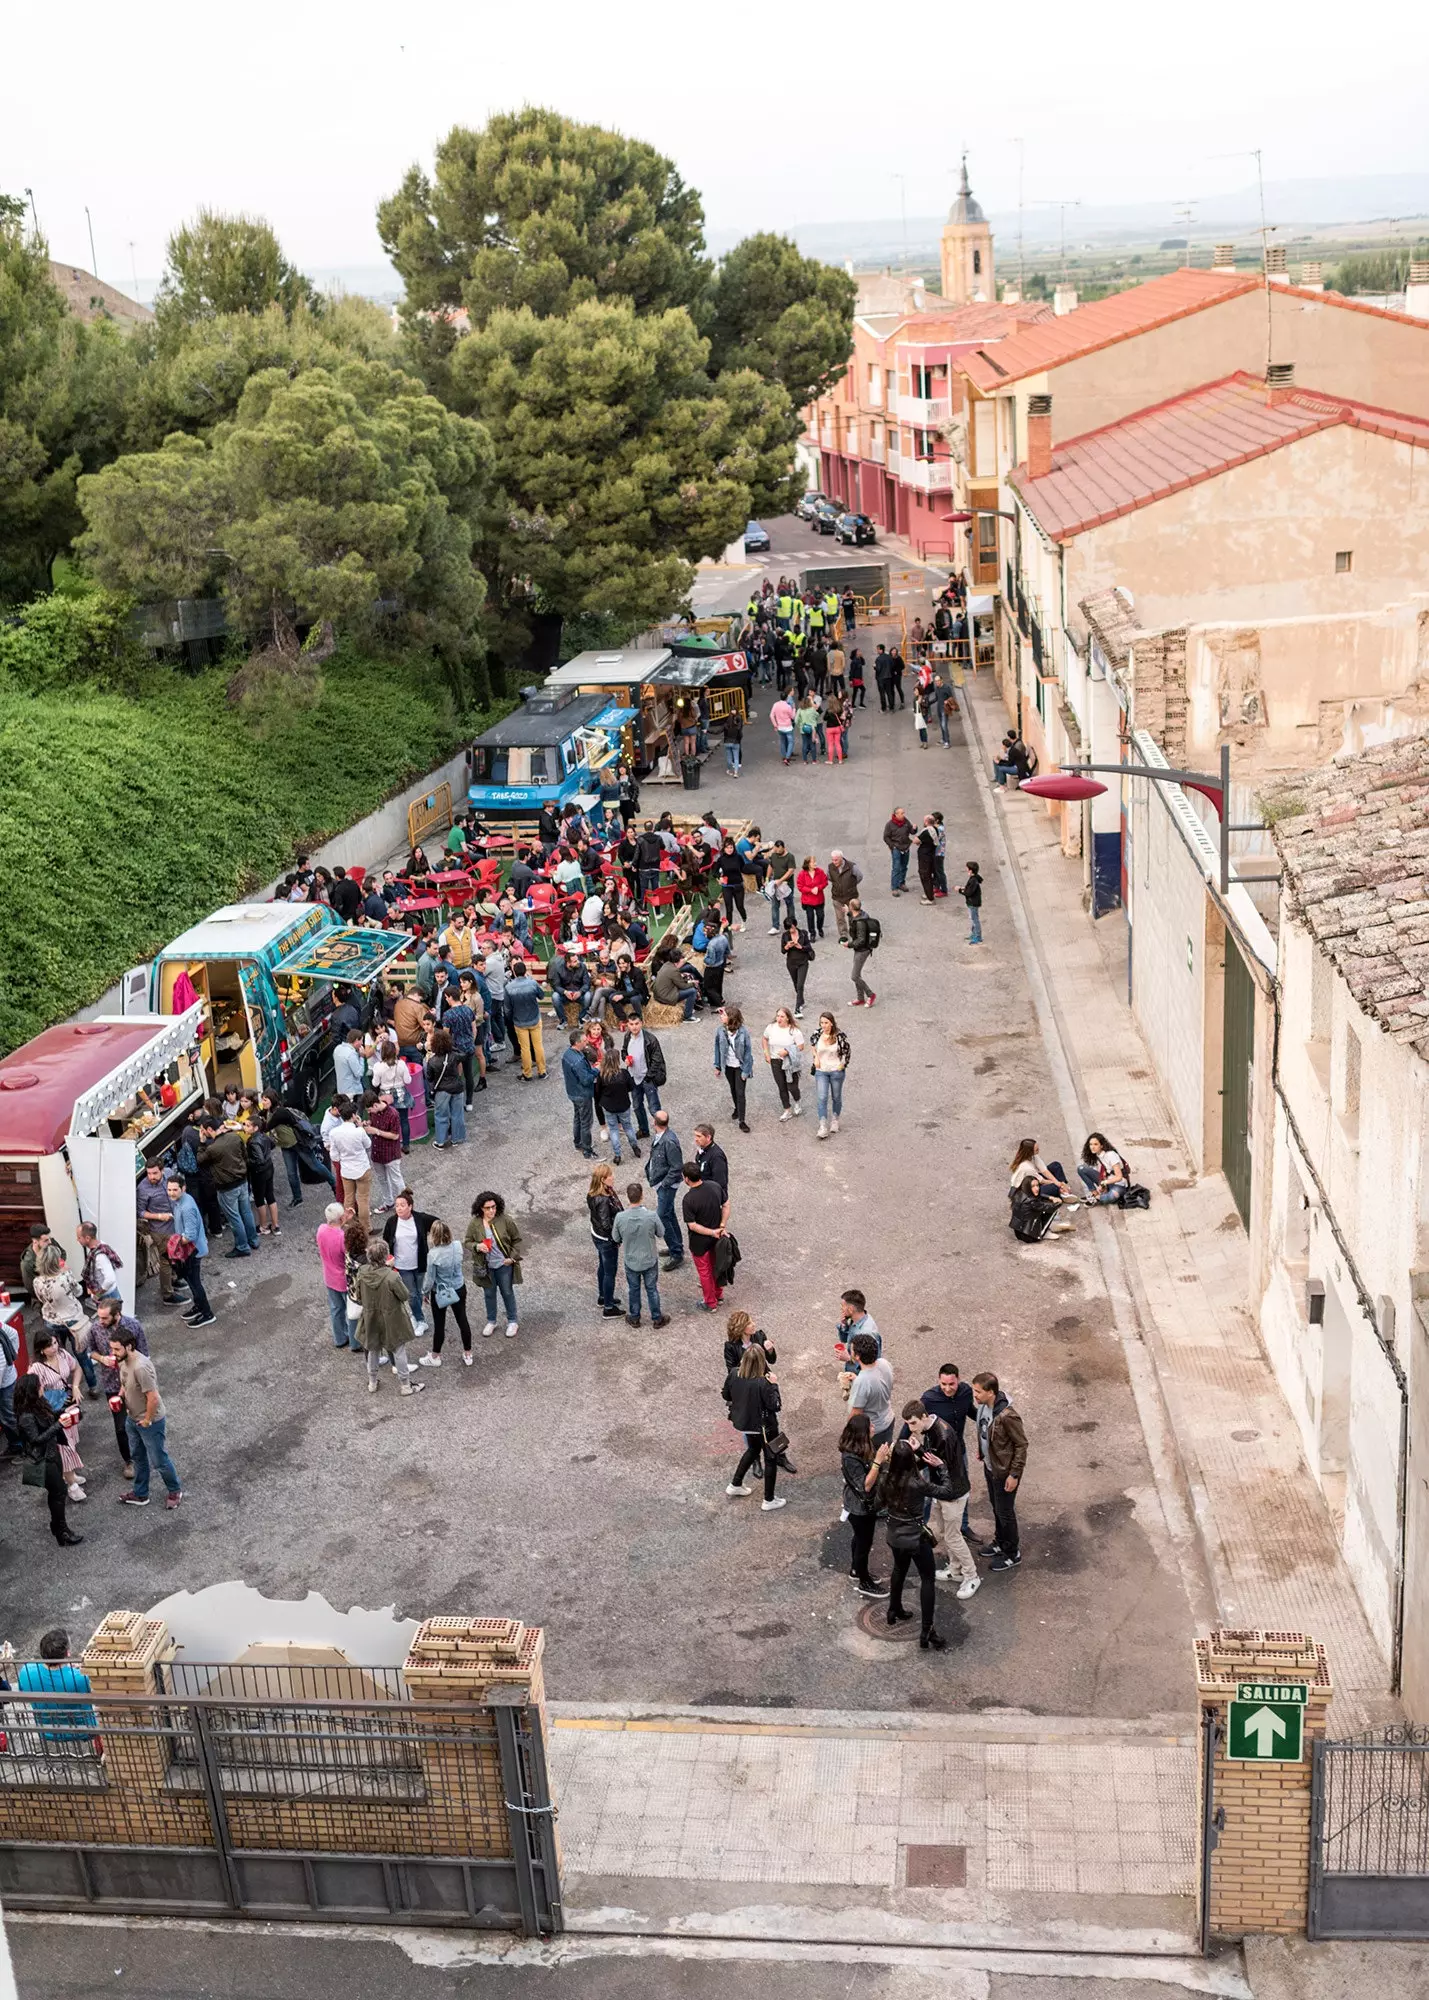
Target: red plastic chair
{"type": "Point", "coordinates": [662, 898]}
{"type": "Point", "coordinates": [488, 874]}
{"type": "Point", "coordinates": [357, 875]}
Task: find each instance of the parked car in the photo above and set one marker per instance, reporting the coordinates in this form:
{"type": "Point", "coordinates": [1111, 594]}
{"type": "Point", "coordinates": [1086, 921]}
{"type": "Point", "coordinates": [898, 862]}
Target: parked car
{"type": "Point", "coordinates": [854, 528]}
{"type": "Point", "coordinates": [805, 508]}
{"type": "Point", "coordinates": [825, 516]}
{"type": "Point", "coordinates": [756, 541]}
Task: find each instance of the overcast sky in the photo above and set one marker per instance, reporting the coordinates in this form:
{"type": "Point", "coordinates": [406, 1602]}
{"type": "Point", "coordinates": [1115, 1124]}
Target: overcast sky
{"type": "Point", "coordinates": [778, 114]}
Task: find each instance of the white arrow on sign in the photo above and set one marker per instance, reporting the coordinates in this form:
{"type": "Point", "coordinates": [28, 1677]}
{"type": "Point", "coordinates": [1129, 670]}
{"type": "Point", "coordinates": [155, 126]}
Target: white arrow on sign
{"type": "Point", "coordinates": [1265, 1725]}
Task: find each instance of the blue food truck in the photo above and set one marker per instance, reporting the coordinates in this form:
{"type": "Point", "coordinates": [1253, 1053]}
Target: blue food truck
{"type": "Point", "coordinates": [558, 746]}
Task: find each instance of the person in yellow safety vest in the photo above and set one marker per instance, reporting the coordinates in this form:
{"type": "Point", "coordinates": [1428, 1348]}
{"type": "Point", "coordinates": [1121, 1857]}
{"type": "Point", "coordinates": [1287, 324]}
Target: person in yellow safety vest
{"type": "Point", "coordinates": [816, 617]}
{"type": "Point", "coordinates": [831, 608]}
{"type": "Point", "coordinates": [786, 609]}
{"type": "Point", "coordinates": [751, 610]}
{"type": "Point", "coordinates": [797, 614]}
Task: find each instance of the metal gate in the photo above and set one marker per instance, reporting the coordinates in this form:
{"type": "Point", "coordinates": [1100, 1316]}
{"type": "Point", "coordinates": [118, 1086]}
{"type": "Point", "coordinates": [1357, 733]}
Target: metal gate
{"type": "Point", "coordinates": [1369, 1837]}
{"type": "Point", "coordinates": [1213, 1818]}
{"type": "Point", "coordinates": [268, 1796]}
{"type": "Point", "coordinates": [1237, 1073]}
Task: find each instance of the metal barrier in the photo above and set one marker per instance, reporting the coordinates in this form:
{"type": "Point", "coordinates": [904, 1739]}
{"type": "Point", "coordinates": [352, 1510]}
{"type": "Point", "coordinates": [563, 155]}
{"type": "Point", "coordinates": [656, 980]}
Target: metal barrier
{"type": "Point", "coordinates": [1369, 1836]}
{"type": "Point", "coordinates": [267, 1792]}
{"type": "Point", "coordinates": [430, 814]}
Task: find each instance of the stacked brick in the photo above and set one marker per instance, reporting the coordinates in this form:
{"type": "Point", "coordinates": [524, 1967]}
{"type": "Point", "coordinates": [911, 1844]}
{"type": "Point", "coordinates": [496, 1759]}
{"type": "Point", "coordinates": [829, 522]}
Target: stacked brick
{"type": "Point", "coordinates": [1260, 1868]}
{"type": "Point", "coordinates": [453, 1663]}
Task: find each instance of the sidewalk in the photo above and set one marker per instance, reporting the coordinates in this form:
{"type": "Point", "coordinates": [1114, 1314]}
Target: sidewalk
{"type": "Point", "coordinates": [1024, 1833]}
{"type": "Point", "coordinates": [1266, 1533]}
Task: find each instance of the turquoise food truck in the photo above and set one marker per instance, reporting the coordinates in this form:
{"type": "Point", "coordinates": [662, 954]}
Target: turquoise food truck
{"type": "Point", "coordinates": [556, 747]}
{"type": "Point", "coordinates": [266, 974]}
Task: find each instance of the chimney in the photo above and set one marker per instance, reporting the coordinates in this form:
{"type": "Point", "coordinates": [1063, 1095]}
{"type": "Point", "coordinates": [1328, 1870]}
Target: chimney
{"type": "Point", "coordinates": [1312, 277]}
{"type": "Point", "coordinates": [1039, 436]}
{"type": "Point", "coordinates": [1416, 292]}
{"type": "Point", "coordinates": [1224, 258]}
{"type": "Point", "coordinates": [1064, 299]}
{"type": "Point", "coordinates": [1275, 267]}
{"type": "Point", "coordinates": [1012, 295]}
{"type": "Point", "coordinates": [1279, 382]}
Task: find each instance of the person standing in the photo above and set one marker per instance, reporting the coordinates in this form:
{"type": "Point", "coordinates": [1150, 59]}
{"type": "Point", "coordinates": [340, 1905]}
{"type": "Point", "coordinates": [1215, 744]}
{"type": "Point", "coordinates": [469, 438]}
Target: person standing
{"type": "Point", "coordinates": [798, 952]}
{"type": "Point", "coordinates": [643, 1057]}
{"type": "Point", "coordinates": [224, 1155]}
{"type": "Point", "coordinates": [60, 1298]}
{"type": "Point", "coordinates": [580, 1075]}
{"type": "Point", "coordinates": [937, 1444]}
{"type": "Point", "coordinates": [904, 1490]}
{"type": "Point", "coordinates": [895, 677]}
{"type": "Point", "coordinates": [783, 1045]}
{"type": "Point", "coordinates": [446, 1091]}
{"type": "Point", "coordinates": [99, 1274]}
{"type": "Point", "coordinates": [147, 1420]}
{"type": "Point", "coordinates": [831, 1056]}
{"type": "Point", "coordinates": [613, 1091]}
{"type": "Point", "coordinates": [734, 1060]}
{"type": "Point", "coordinates": [385, 1326]}
{"type": "Point", "coordinates": [806, 718]}
{"type": "Point", "coordinates": [188, 1246]}
{"type": "Point", "coordinates": [811, 882]}
{"type": "Point", "coordinates": [706, 1211]}
{"type": "Point", "coordinates": [779, 885]}
{"type": "Point", "coordinates": [717, 951]}
{"type": "Point", "coordinates": [864, 936]}
{"type": "Point", "coordinates": [731, 875]}
{"type": "Point", "coordinates": [928, 859]}
{"type": "Point", "coordinates": [494, 1240]}
{"type": "Point", "coordinates": [664, 1171]}
{"type": "Point", "coordinates": [752, 1393]}
{"type": "Point", "coordinates": [732, 729]}
{"type": "Point", "coordinates": [405, 1233]}
{"type": "Point", "coordinates": [384, 1129]}
{"type": "Point", "coordinates": [637, 1231]}
{"type": "Point", "coordinates": [861, 1476]}
{"type": "Point", "coordinates": [971, 893]}
{"type": "Point", "coordinates": [349, 1065]}
{"type": "Point", "coordinates": [1002, 1448]}
{"type": "Point", "coordinates": [155, 1219]}
{"type": "Point", "coordinates": [445, 1283]}
{"type": "Point", "coordinates": [350, 1151]}
{"type": "Point", "coordinates": [781, 718]}
{"type": "Point", "coordinates": [858, 686]}
{"type": "Point", "coordinates": [834, 728]}
{"type": "Point", "coordinates": [603, 1206]}
{"type": "Point", "coordinates": [332, 1253]}
{"type": "Point", "coordinates": [883, 675]}
{"type": "Point", "coordinates": [710, 1158]}
{"type": "Point", "coordinates": [898, 838]}
{"type": "Point", "coordinates": [844, 878]}
{"type": "Point", "coordinates": [871, 1389]}
{"type": "Point", "coordinates": [42, 1432]}
{"type": "Point", "coordinates": [951, 1399]}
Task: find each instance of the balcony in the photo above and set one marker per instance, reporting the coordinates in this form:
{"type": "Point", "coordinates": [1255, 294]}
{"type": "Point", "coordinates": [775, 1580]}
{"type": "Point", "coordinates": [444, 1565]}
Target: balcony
{"type": "Point", "coordinates": [826, 437]}
{"type": "Point", "coordinates": [875, 392]}
{"type": "Point", "coordinates": [929, 475]}
{"type": "Point", "coordinates": [894, 459]}
{"type": "Point", "coordinates": [875, 449]}
{"type": "Point", "coordinates": [925, 412]}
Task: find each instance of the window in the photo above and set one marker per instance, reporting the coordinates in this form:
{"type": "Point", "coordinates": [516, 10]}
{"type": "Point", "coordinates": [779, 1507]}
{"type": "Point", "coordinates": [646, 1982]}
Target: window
{"type": "Point", "coordinates": [923, 444]}
{"type": "Point", "coordinates": [1344, 561]}
{"type": "Point", "coordinates": [987, 537]}
{"type": "Point", "coordinates": [977, 263]}
{"type": "Point", "coordinates": [1321, 992]}
{"type": "Point", "coordinates": [922, 379]}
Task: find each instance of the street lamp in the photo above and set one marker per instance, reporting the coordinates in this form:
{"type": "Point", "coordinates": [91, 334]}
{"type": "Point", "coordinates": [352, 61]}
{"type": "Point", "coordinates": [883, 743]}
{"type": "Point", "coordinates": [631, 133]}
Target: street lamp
{"type": "Point", "coordinates": [1070, 784]}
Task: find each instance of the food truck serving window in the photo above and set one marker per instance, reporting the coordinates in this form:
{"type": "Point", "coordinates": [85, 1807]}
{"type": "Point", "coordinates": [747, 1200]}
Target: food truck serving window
{"type": "Point", "coordinates": [352, 955]}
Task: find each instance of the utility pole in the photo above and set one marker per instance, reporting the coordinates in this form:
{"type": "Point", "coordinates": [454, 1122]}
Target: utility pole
{"type": "Point", "coordinates": [902, 180]}
{"type": "Point", "coordinates": [34, 216]}
{"type": "Point", "coordinates": [1021, 146]}
{"type": "Point", "coordinates": [93, 260]}
{"type": "Point", "coordinates": [1063, 206]}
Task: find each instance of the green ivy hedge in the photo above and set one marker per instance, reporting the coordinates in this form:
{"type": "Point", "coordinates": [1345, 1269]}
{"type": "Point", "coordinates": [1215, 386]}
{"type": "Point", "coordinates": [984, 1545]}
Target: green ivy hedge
{"type": "Point", "coordinates": [125, 817]}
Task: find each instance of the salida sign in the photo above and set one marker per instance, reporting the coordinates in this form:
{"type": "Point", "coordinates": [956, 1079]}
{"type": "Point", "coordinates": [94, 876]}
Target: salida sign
{"type": "Point", "coordinates": [1265, 1724]}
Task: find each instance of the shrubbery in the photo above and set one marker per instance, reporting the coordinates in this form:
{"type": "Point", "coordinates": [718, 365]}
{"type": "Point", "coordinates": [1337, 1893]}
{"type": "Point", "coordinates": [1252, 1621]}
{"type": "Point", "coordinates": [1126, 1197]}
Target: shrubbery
{"type": "Point", "coordinates": [126, 821]}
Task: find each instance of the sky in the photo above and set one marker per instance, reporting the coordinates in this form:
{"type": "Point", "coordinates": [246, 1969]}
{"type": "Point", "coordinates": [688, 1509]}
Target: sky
{"type": "Point", "coordinates": [779, 114]}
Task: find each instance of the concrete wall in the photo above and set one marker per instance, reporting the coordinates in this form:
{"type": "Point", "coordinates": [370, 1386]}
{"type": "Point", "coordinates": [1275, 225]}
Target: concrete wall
{"type": "Point", "coordinates": [1260, 540]}
{"type": "Point", "coordinates": [1172, 984]}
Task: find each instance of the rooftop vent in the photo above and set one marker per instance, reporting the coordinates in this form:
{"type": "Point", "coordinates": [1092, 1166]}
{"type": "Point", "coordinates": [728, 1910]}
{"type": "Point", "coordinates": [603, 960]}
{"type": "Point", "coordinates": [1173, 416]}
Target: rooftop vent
{"type": "Point", "coordinates": [1224, 258]}
{"type": "Point", "coordinates": [1279, 381]}
{"type": "Point", "coordinates": [1275, 265]}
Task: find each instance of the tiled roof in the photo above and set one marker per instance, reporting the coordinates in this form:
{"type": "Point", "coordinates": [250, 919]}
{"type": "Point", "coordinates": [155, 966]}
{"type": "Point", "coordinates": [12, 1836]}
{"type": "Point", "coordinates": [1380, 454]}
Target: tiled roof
{"type": "Point", "coordinates": [1356, 864]}
{"type": "Point", "coordinates": [1103, 322]}
{"type": "Point", "coordinates": [90, 298]}
{"type": "Point", "coordinates": [1178, 443]}
{"type": "Point", "coordinates": [1112, 622]}
{"type": "Point", "coordinates": [985, 320]}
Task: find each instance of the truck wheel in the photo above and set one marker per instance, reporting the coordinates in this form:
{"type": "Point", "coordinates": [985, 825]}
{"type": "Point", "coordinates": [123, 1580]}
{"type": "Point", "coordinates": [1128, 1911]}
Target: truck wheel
{"type": "Point", "coordinates": [305, 1088]}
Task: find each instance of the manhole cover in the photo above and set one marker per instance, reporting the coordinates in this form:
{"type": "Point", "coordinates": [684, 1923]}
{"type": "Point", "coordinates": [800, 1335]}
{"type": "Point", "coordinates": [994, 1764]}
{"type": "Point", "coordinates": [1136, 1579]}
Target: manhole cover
{"type": "Point", "coordinates": [873, 1620]}
{"type": "Point", "coordinates": [1245, 1437]}
{"type": "Point", "coordinates": [935, 1867]}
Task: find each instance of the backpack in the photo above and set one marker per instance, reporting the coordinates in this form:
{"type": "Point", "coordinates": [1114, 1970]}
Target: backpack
{"type": "Point", "coordinates": [875, 933]}
{"type": "Point", "coordinates": [260, 1149]}
{"type": "Point", "coordinates": [1135, 1195]}
{"type": "Point", "coordinates": [1031, 1217]}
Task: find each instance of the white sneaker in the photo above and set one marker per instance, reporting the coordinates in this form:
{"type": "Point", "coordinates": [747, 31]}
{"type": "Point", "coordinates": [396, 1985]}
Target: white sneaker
{"type": "Point", "coordinates": [511, 1330]}
{"type": "Point", "coordinates": [429, 1361]}
{"type": "Point", "coordinates": [944, 1575]}
{"type": "Point", "coordinates": [969, 1586]}
{"type": "Point", "coordinates": [784, 1116]}
{"type": "Point", "coordinates": [823, 1130]}
{"type": "Point", "coordinates": [412, 1388]}
{"type": "Point", "coordinates": [798, 1110]}
{"type": "Point", "coordinates": [488, 1329]}
{"type": "Point", "coordinates": [77, 1493]}
{"type": "Point", "coordinates": [769, 1506]}
{"type": "Point", "coordinates": [743, 1491]}
{"type": "Point", "coordinates": [833, 1124]}
{"type": "Point", "coordinates": [468, 1359]}
{"type": "Point", "coordinates": [372, 1386]}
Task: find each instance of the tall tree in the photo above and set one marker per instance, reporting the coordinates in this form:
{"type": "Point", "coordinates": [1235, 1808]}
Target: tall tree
{"type": "Point", "coordinates": [536, 210]}
{"type": "Point", "coordinates": [787, 316]}
{"type": "Point", "coordinates": [228, 264]}
{"type": "Point", "coordinates": [617, 462]}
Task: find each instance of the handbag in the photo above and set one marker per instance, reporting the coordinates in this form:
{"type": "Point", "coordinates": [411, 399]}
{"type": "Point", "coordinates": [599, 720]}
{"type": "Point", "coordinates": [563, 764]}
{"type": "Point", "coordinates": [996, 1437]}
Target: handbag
{"type": "Point", "coordinates": [179, 1249]}
{"type": "Point", "coordinates": [32, 1472]}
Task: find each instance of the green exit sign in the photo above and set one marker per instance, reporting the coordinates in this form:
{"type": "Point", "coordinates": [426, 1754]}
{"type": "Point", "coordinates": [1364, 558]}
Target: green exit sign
{"type": "Point", "coordinates": [1295, 1691]}
{"type": "Point", "coordinates": [1266, 1732]}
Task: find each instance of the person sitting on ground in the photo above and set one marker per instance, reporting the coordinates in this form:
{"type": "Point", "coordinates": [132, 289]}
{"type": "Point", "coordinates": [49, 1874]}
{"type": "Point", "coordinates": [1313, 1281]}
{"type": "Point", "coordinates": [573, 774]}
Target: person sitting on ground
{"type": "Point", "coordinates": [1036, 1192]}
{"type": "Point", "coordinates": [1102, 1171]}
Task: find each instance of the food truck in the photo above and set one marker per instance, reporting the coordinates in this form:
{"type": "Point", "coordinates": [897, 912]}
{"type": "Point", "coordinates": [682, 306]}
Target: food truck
{"type": "Point", "coordinates": [82, 1107]}
{"type": "Point", "coordinates": [626, 677]}
{"type": "Point", "coordinates": [553, 750]}
{"type": "Point", "coordinates": [265, 975]}
{"type": "Point", "coordinates": [721, 672]}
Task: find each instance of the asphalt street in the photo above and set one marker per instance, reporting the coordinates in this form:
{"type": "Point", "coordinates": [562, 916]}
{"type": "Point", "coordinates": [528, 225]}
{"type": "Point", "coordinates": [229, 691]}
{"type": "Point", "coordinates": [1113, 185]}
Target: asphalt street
{"type": "Point", "coordinates": [575, 1476]}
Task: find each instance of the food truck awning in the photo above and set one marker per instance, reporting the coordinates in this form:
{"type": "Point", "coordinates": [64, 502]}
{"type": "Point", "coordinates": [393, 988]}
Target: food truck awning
{"type": "Point", "coordinates": [614, 717]}
{"type": "Point", "coordinates": [354, 955]}
{"type": "Point", "coordinates": [72, 1076]}
{"type": "Point", "coordinates": [609, 669]}
{"type": "Point", "coordinates": [699, 669]}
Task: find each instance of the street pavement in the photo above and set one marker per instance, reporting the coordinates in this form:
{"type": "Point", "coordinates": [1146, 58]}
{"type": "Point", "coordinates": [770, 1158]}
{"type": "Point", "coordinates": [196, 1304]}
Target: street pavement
{"type": "Point", "coordinates": [575, 1476]}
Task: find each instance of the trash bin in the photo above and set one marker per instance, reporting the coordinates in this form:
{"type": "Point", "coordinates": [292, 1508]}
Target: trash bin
{"type": "Point", "coordinates": [690, 772]}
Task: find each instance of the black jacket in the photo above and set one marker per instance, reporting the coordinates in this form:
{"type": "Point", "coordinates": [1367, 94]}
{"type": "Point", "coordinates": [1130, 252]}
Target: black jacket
{"type": "Point", "coordinates": [858, 932]}
{"type": "Point", "coordinates": [947, 1442]}
{"type": "Point", "coordinates": [856, 1500]}
{"type": "Point", "coordinates": [654, 1057]}
{"type": "Point", "coordinates": [971, 892]}
{"type": "Point", "coordinates": [603, 1209]}
{"type": "Point", "coordinates": [39, 1436]}
{"type": "Point", "coordinates": [423, 1222]}
{"type": "Point", "coordinates": [753, 1404]}
{"type": "Point", "coordinates": [733, 1349]}
{"type": "Point", "coordinates": [714, 1166]}
{"type": "Point", "coordinates": [612, 1094]}
{"type": "Point", "coordinates": [648, 851]}
{"type": "Point", "coordinates": [905, 1531]}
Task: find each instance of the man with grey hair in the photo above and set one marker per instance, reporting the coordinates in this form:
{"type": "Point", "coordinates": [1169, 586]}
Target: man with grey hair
{"type": "Point", "coordinates": [844, 878]}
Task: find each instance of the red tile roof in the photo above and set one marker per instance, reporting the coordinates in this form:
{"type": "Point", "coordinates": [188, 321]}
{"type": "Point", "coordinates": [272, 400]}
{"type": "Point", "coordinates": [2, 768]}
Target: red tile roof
{"type": "Point", "coordinates": [985, 320]}
{"type": "Point", "coordinates": [1179, 443]}
{"type": "Point", "coordinates": [1103, 322]}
